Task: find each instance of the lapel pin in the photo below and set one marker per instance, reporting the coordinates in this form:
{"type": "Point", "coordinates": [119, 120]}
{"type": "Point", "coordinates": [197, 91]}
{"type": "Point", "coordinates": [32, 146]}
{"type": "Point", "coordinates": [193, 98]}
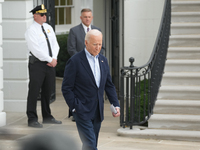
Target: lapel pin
{"type": "Point", "coordinates": [102, 61]}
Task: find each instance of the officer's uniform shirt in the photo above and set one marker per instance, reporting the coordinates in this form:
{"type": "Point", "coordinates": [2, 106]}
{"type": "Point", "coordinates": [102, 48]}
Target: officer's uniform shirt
{"type": "Point", "coordinates": [37, 43]}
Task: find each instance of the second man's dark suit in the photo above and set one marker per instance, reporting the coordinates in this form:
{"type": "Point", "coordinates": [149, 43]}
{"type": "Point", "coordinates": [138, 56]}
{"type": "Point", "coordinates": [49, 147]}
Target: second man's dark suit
{"type": "Point", "coordinates": [76, 39]}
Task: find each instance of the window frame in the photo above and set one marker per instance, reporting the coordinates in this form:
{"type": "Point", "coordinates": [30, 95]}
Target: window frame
{"type": "Point", "coordinates": [64, 7]}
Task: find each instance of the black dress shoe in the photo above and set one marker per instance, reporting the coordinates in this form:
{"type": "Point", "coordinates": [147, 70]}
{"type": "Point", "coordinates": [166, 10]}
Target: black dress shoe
{"type": "Point", "coordinates": [52, 121]}
{"type": "Point", "coordinates": [35, 124]}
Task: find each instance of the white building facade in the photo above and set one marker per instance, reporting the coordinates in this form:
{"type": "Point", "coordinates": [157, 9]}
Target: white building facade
{"type": "Point", "coordinates": [15, 58]}
{"type": "Point", "coordinates": [138, 33]}
{"type": "Point", "coordinates": [2, 113]}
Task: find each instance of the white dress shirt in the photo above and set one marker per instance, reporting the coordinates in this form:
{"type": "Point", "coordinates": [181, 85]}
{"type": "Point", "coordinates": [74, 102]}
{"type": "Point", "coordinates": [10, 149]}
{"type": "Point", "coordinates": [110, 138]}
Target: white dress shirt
{"type": "Point", "coordinates": [94, 65]}
{"type": "Point", "coordinates": [85, 28]}
{"type": "Point", "coordinates": [37, 44]}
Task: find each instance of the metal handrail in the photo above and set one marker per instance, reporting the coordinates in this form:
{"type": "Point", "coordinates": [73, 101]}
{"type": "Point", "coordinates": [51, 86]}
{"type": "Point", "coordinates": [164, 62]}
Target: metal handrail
{"type": "Point", "coordinates": [140, 85]}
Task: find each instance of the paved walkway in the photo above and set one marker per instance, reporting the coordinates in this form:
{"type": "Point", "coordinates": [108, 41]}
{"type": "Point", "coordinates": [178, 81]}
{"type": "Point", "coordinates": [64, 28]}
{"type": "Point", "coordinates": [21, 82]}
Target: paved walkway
{"type": "Point", "coordinates": [17, 131]}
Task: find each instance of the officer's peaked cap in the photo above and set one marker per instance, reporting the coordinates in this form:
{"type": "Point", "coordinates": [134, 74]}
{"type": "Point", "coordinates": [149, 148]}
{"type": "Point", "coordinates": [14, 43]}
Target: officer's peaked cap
{"type": "Point", "coordinates": [39, 9]}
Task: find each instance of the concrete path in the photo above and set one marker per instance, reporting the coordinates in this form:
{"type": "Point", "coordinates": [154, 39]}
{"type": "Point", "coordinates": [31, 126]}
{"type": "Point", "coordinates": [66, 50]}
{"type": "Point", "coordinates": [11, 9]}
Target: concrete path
{"type": "Point", "coordinates": [17, 131]}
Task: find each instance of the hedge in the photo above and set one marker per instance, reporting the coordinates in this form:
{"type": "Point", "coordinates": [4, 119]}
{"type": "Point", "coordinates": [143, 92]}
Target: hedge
{"type": "Point", "coordinates": [63, 55]}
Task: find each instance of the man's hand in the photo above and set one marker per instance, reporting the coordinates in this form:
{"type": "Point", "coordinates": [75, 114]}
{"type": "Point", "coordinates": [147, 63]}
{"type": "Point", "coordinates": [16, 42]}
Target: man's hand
{"type": "Point", "coordinates": [118, 112]}
{"type": "Point", "coordinates": [53, 63]}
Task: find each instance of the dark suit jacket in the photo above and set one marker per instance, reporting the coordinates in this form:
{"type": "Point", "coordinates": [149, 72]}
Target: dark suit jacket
{"type": "Point", "coordinates": [76, 39]}
{"type": "Point", "coordinates": [79, 87]}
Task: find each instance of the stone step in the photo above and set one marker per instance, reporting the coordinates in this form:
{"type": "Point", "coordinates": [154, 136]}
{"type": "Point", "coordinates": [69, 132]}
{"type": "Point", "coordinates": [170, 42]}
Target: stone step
{"type": "Point", "coordinates": [184, 0]}
{"type": "Point", "coordinates": [183, 53]}
{"type": "Point", "coordinates": [185, 6]}
{"type": "Point", "coordinates": [185, 17]}
{"type": "Point", "coordinates": [175, 122]}
{"type": "Point", "coordinates": [182, 65]}
{"type": "Point", "coordinates": [160, 134]}
{"type": "Point", "coordinates": [188, 107]}
{"type": "Point", "coordinates": [184, 40]}
{"type": "Point", "coordinates": [176, 112]}
{"type": "Point", "coordinates": [179, 92]}
{"type": "Point", "coordinates": [185, 28]}
{"type": "Point", "coordinates": [181, 78]}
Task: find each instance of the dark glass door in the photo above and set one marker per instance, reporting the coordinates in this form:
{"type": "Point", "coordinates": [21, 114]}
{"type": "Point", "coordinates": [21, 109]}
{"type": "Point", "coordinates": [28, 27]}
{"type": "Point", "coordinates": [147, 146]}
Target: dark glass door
{"type": "Point", "coordinates": [115, 42]}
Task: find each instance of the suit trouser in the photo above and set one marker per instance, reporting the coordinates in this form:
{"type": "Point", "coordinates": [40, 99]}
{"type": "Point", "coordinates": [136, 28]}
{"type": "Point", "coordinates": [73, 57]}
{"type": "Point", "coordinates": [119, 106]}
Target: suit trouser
{"type": "Point", "coordinates": [41, 77]}
{"type": "Point", "coordinates": [88, 130]}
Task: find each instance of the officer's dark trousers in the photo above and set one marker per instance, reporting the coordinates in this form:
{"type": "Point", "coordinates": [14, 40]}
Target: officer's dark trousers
{"type": "Point", "coordinates": [41, 77]}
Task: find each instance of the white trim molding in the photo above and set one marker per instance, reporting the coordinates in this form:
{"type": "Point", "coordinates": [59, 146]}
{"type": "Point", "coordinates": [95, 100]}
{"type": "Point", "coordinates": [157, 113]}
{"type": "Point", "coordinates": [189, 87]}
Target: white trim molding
{"type": "Point", "coordinates": [2, 114]}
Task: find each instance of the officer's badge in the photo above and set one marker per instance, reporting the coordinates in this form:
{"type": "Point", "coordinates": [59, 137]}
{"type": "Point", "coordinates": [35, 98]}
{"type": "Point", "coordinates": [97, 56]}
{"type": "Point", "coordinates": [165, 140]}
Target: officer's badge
{"type": "Point", "coordinates": [48, 31]}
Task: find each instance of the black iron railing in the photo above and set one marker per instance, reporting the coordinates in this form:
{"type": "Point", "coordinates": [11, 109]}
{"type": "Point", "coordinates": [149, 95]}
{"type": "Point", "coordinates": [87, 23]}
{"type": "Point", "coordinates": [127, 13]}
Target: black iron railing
{"type": "Point", "coordinates": [140, 85]}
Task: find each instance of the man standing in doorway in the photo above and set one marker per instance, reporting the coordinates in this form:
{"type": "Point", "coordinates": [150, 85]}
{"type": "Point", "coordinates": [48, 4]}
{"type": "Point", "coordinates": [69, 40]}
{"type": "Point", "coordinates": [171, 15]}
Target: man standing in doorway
{"type": "Point", "coordinates": [76, 38]}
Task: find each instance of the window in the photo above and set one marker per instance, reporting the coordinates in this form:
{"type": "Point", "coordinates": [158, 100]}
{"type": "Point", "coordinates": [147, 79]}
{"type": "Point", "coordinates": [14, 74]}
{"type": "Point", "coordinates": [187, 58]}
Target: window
{"type": "Point", "coordinates": [63, 12]}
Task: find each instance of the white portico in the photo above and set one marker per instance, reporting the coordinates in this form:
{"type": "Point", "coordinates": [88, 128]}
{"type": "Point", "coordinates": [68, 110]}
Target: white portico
{"type": "Point", "coordinates": [15, 19]}
{"type": "Point", "coordinates": [2, 113]}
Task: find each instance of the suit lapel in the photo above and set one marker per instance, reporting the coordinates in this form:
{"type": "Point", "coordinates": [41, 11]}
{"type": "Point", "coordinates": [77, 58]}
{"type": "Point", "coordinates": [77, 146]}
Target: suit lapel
{"type": "Point", "coordinates": [82, 32]}
{"type": "Point", "coordinates": [86, 65]}
{"type": "Point", "coordinates": [93, 27]}
{"type": "Point", "coordinates": [101, 64]}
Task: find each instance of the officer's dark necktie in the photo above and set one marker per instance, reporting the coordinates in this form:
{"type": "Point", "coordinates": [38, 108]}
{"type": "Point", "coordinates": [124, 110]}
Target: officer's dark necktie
{"type": "Point", "coordinates": [88, 29]}
{"type": "Point", "coordinates": [49, 47]}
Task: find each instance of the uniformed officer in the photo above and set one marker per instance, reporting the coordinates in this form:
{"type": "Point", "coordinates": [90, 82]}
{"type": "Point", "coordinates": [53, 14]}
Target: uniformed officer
{"type": "Point", "coordinates": [43, 50]}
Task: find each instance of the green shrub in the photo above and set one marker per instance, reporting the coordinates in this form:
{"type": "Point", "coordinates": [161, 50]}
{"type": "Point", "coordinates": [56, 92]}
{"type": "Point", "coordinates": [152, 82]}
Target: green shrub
{"type": "Point", "coordinates": [141, 101]}
{"type": "Point", "coordinates": [144, 94]}
{"type": "Point", "coordinates": [63, 55]}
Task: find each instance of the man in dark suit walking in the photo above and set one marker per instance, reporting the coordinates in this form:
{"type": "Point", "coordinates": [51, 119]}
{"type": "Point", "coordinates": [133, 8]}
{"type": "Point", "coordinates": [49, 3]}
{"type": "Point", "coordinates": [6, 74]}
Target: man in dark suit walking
{"type": "Point", "coordinates": [86, 76]}
{"type": "Point", "coordinates": [76, 37]}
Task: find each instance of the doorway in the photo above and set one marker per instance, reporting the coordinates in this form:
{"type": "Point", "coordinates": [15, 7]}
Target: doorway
{"type": "Point", "coordinates": [115, 43]}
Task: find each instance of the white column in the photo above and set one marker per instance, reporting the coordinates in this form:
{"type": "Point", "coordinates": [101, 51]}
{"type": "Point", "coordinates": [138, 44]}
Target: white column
{"type": "Point", "coordinates": [2, 114]}
{"type": "Point", "coordinates": [16, 19]}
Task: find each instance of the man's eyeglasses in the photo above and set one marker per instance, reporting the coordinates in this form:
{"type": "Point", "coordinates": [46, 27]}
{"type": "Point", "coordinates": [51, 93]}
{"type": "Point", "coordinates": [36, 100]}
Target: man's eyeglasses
{"type": "Point", "coordinates": [43, 14]}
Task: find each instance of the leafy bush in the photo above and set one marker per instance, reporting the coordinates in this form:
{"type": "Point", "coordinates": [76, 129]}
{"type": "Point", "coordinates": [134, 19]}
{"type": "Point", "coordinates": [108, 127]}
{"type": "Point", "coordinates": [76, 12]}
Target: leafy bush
{"type": "Point", "coordinates": [63, 55]}
{"type": "Point", "coordinates": [141, 101]}
{"type": "Point", "coordinates": [144, 93]}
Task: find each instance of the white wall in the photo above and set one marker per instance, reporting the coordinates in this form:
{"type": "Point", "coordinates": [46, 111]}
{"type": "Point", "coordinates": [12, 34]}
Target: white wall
{"type": "Point", "coordinates": [15, 58]}
{"type": "Point", "coordinates": [142, 21]}
{"type": "Point", "coordinates": [2, 114]}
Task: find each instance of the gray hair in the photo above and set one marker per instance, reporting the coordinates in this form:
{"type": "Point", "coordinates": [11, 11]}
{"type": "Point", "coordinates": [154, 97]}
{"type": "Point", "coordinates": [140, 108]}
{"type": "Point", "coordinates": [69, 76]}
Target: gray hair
{"type": "Point", "coordinates": [94, 32]}
{"type": "Point", "coordinates": [86, 10]}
